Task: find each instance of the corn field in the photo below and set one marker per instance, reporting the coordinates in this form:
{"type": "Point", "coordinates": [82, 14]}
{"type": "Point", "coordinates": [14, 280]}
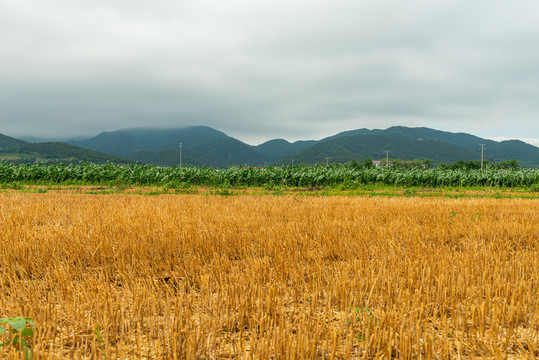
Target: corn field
{"type": "Point", "coordinates": [266, 277]}
{"type": "Point", "coordinates": [297, 176]}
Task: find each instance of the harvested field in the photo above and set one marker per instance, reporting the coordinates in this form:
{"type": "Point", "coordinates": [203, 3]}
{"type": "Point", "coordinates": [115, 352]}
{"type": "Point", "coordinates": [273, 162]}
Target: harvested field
{"type": "Point", "coordinates": [262, 277]}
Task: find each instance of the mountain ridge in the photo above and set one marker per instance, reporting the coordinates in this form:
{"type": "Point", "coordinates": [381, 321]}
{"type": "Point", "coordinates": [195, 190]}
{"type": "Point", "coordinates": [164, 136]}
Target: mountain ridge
{"type": "Point", "coordinates": [22, 152]}
{"type": "Point", "coordinates": [360, 147]}
{"type": "Point", "coordinates": [206, 146]}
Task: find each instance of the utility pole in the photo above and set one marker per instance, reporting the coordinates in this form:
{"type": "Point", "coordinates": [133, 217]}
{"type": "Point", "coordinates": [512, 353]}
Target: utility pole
{"type": "Point", "coordinates": [180, 154]}
{"type": "Point", "coordinates": [327, 160]}
{"type": "Point", "coordinates": [387, 157]}
{"type": "Point", "coordinates": [292, 162]}
{"type": "Point", "coordinates": [482, 148]}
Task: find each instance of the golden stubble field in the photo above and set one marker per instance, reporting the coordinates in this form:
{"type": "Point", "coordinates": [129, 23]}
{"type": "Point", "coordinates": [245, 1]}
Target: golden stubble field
{"type": "Point", "coordinates": [267, 277]}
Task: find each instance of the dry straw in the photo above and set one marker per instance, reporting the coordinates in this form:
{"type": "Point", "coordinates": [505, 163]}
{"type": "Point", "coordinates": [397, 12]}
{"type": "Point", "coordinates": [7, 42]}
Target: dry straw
{"type": "Point", "coordinates": [261, 277]}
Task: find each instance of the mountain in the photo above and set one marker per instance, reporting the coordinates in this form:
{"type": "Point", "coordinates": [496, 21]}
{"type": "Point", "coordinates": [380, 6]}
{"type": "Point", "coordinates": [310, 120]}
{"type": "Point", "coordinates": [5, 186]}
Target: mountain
{"type": "Point", "coordinates": [279, 148]}
{"type": "Point", "coordinates": [359, 147]}
{"type": "Point", "coordinates": [208, 146]}
{"type": "Point", "coordinates": [61, 152]}
{"type": "Point", "coordinates": [528, 155]}
{"type": "Point", "coordinates": [467, 141]}
{"type": "Point", "coordinates": [205, 146]}
{"type": "Point", "coordinates": [7, 142]}
{"type": "Point", "coordinates": [22, 152]}
{"type": "Point", "coordinates": [125, 142]}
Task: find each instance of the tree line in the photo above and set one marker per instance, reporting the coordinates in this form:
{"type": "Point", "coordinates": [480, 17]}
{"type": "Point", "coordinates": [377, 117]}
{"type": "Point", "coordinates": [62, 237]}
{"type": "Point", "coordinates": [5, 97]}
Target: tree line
{"type": "Point", "coordinates": [427, 164]}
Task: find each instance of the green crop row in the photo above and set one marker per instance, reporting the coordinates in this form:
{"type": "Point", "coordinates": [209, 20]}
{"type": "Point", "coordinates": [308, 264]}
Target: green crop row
{"type": "Point", "coordinates": [297, 176]}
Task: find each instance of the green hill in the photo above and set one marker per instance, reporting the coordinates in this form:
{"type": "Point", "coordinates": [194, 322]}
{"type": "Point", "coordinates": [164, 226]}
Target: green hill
{"type": "Point", "coordinates": [127, 142]}
{"type": "Point", "coordinates": [528, 155]}
{"type": "Point", "coordinates": [347, 148]}
{"type": "Point", "coordinates": [467, 141]}
{"type": "Point", "coordinates": [55, 152]}
{"type": "Point", "coordinates": [8, 142]}
{"type": "Point", "coordinates": [207, 146]}
{"type": "Point", "coordinates": [279, 148]}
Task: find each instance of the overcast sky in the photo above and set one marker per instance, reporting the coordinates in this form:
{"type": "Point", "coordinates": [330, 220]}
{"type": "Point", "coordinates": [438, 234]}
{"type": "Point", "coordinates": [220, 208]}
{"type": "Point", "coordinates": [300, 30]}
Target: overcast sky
{"type": "Point", "coordinates": [262, 69]}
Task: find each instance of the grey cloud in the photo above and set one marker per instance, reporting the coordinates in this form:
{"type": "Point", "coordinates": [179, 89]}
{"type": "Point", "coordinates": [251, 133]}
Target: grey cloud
{"type": "Point", "coordinates": [296, 69]}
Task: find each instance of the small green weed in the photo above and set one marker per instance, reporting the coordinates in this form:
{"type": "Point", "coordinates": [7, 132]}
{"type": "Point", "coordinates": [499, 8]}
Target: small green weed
{"type": "Point", "coordinates": [410, 192]}
{"type": "Point", "coordinates": [20, 331]}
{"type": "Point", "coordinates": [35, 190]}
{"type": "Point", "coordinates": [362, 311]}
{"type": "Point", "coordinates": [97, 333]}
{"type": "Point", "coordinates": [185, 191]}
{"type": "Point", "coordinates": [452, 216]}
{"type": "Point", "coordinates": [12, 186]}
{"type": "Point", "coordinates": [223, 192]}
{"type": "Point", "coordinates": [154, 192]}
{"type": "Point", "coordinates": [477, 217]}
{"type": "Point", "coordinates": [100, 192]}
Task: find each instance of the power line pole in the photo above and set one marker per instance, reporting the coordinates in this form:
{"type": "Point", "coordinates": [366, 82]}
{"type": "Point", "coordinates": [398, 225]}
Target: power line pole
{"type": "Point", "coordinates": [327, 160]}
{"type": "Point", "coordinates": [482, 148]}
{"type": "Point", "coordinates": [387, 157]}
{"type": "Point", "coordinates": [180, 154]}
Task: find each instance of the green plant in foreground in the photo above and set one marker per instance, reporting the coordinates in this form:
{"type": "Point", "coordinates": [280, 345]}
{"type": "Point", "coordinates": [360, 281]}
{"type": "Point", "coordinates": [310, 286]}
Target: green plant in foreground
{"type": "Point", "coordinates": [97, 333]}
{"type": "Point", "coordinates": [224, 192]}
{"type": "Point", "coordinates": [410, 192]}
{"type": "Point", "coordinates": [20, 331]}
{"type": "Point", "coordinates": [364, 311]}
{"type": "Point", "coordinates": [452, 215]}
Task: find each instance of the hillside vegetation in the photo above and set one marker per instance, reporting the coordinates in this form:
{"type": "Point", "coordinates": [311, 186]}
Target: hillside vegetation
{"type": "Point", "coordinates": [210, 147]}
{"type": "Point", "coordinates": [348, 148]}
{"type": "Point", "coordinates": [21, 152]}
{"type": "Point", "coordinates": [7, 142]}
{"type": "Point", "coordinates": [204, 146]}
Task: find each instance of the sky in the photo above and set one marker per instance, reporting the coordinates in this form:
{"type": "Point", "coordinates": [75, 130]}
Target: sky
{"type": "Point", "coordinates": [264, 69]}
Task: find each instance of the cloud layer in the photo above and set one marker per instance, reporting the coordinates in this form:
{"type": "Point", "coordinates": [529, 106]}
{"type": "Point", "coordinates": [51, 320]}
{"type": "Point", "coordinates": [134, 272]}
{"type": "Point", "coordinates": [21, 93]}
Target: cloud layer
{"type": "Point", "coordinates": [262, 69]}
